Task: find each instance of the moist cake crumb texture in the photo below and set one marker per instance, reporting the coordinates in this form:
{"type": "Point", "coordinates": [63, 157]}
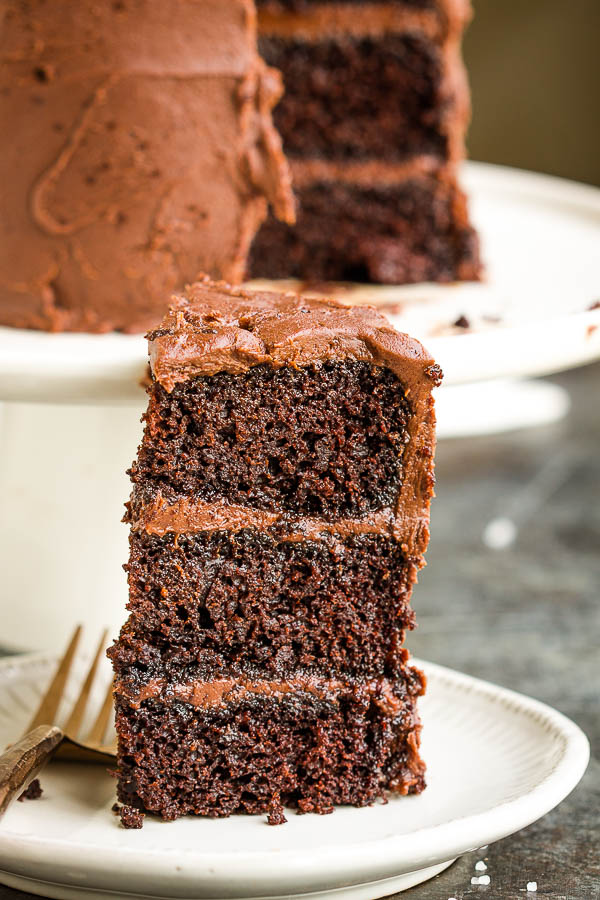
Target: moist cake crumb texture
{"type": "Point", "coordinates": [279, 517]}
{"type": "Point", "coordinates": [329, 442]}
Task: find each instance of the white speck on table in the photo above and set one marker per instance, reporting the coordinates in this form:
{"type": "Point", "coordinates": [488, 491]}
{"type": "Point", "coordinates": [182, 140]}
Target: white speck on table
{"type": "Point", "coordinates": [499, 533]}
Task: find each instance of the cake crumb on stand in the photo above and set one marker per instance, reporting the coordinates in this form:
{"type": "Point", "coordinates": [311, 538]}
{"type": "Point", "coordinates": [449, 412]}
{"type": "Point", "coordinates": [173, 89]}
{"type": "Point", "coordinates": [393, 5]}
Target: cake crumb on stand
{"type": "Point", "coordinates": [462, 322]}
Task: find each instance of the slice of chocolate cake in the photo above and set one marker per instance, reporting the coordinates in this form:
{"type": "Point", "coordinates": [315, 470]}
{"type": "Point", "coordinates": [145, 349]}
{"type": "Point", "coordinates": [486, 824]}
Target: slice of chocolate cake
{"type": "Point", "coordinates": [139, 152]}
{"type": "Point", "coordinates": [279, 517]}
{"type": "Point", "coordinates": [373, 120]}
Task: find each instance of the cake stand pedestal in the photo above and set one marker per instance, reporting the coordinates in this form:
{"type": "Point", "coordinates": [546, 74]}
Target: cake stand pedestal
{"type": "Point", "coordinates": [63, 484]}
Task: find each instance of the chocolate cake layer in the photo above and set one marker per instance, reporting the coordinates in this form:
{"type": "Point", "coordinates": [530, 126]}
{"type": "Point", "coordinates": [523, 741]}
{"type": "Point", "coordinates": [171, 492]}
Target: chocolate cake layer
{"type": "Point", "coordinates": [141, 151]}
{"type": "Point", "coordinates": [305, 749]}
{"type": "Point", "coordinates": [405, 231]}
{"type": "Point", "coordinates": [248, 598]}
{"type": "Point", "coordinates": [324, 440]}
{"type": "Point", "coordinates": [400, 105]}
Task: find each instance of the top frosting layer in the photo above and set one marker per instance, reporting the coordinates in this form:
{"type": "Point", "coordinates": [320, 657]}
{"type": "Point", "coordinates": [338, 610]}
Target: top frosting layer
{"type": "Point", "coordinates": [141, 153]}
{"type": "Point", "coordinates": [214, 327]}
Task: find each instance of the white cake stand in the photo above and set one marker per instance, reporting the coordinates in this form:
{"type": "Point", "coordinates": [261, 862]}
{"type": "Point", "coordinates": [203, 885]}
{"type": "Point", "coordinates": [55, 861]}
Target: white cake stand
{"type": "Point", "coordinates": [69, 425]}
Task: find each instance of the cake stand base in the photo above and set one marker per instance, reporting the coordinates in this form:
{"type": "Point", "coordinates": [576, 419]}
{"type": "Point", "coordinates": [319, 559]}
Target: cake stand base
{"type": "Point", "coordinates": [372, 891]}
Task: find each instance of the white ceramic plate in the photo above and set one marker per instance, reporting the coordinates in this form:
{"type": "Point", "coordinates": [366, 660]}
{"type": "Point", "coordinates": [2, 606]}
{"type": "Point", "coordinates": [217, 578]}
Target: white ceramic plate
{"type": "Point", "coordinates": [541, 246]}
{"type": "Point", "coordinates": [497, 761]}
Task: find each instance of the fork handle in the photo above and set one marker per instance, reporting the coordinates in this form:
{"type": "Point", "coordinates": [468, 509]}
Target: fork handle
{"type": "Point", "coordinates": [21, 762]}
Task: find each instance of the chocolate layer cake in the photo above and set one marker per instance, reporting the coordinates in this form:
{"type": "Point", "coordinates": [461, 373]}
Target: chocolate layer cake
{"type": "Point", "coordinates": [139, 150]}
{"type": "Point", "coordinates": [373, 121]}
{"type": "Point", "coordinates": [279, 517]}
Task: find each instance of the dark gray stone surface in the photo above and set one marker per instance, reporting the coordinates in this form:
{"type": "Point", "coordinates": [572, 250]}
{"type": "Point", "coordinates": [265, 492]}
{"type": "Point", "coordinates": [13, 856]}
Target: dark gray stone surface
{"type": "Point", "coordinates": [527, 617]}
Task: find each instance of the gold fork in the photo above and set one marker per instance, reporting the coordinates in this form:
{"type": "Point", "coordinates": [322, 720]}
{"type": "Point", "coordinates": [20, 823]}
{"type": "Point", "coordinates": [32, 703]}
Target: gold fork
{"type": "Point", "coordinates": [21, 762]}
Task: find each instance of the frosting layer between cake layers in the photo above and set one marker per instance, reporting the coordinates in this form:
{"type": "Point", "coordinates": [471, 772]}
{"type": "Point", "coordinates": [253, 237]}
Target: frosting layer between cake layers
{"type": "Point", "coordinates": [220, 692]}
{"type": "Point", "coordinates": [382, 85]}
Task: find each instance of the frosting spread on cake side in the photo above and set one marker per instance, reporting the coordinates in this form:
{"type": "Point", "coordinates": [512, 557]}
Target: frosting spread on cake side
{"type": "Point", "coordinates": [141, 153]}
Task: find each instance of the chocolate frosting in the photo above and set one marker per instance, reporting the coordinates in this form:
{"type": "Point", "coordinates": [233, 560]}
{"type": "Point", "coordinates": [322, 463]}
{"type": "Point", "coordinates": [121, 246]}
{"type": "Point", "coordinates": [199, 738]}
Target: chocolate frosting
{"type": "Point", "coordinates": [141, 152]}
{"type": "Point", "coordinates": [187, 516]}
{"type": "Point", "coordinates": [206, 694]}
{"type": "Point", "coordinates": [214, 327]}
